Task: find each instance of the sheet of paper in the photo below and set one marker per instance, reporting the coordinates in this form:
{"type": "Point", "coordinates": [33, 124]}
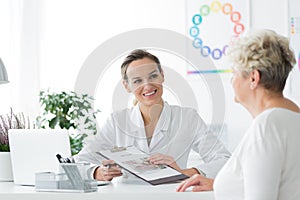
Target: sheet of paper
{"type": "Point", "coordinates": [136, 162]}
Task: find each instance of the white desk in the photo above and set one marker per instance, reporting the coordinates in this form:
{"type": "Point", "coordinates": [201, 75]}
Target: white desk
{"type": "Point", "coordinates": [119, 189]}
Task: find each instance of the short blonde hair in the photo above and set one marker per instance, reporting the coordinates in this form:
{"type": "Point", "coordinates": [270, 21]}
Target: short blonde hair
{"type": "Point", "coordinates": [267, 52]}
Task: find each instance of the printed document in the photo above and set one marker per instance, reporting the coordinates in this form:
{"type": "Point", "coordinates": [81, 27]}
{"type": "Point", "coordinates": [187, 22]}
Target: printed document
{"type": "Point", "coordinates": [135, 161]}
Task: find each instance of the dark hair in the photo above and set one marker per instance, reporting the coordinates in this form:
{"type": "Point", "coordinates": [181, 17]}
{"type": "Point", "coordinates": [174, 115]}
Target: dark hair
{"type": "Point", "coordinates": [136, 55]}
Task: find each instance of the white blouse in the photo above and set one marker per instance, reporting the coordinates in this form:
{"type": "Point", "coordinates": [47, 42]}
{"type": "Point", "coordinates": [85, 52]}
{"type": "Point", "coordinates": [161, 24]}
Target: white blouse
{"type": "Point", "coordinates": [266, 163]}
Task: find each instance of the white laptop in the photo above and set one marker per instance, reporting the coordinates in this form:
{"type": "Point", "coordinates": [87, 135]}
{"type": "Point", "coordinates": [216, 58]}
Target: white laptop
{"type": "Point", "coordinates": [34, 150]}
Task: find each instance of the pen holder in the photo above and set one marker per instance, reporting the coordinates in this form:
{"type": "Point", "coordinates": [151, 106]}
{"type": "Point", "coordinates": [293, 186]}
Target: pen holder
{"type": "Point", "coordinates": [72, 177]}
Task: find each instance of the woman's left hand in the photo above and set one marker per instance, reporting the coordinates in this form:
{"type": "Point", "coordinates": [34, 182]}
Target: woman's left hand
{"type": "Point", "coordinates": [161, 159]}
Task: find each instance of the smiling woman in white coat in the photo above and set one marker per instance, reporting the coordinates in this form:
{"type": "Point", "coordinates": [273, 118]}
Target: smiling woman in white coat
{"type": "Point", "coordinates": [167, 133]}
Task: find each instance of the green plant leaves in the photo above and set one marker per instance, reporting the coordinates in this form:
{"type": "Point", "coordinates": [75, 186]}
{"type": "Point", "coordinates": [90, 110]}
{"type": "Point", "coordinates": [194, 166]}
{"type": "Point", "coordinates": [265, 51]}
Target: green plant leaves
{"type": "Point", "coordinates": [68, 110]}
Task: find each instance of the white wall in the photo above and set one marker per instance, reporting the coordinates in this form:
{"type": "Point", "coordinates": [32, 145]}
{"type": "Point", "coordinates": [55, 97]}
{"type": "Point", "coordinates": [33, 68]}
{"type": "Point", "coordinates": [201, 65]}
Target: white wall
{"type": "Point", "coordinates": [65, 39]}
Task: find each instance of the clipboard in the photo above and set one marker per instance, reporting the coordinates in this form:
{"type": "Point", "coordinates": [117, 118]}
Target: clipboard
{"type": "Point", "coordinates": [134, 161]}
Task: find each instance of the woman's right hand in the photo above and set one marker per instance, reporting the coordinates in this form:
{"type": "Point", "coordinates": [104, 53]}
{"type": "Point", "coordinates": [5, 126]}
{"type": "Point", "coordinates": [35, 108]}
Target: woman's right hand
{"type": "Point", "coordinates": [107, 171]}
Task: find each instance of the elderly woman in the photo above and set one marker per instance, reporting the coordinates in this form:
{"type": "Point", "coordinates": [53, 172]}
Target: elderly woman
{"type": "Point", "coordinates": [266, 163]}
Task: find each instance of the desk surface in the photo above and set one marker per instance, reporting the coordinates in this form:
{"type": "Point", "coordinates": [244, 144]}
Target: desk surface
{"type": "Point", "coordinates": [117, 189]}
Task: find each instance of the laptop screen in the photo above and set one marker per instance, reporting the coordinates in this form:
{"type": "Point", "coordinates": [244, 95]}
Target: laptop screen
{"type": "Point", "coordinates": [34, 150]}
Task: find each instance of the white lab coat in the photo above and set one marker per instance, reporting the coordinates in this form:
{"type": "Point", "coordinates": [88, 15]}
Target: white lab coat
{"type": "Point", "coordinates": [177, 132]}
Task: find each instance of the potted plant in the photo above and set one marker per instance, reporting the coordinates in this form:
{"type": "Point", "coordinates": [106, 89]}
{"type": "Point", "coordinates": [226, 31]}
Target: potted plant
{"type": "Point", "coordinates": [71, 111]}
{"type": "Point", "coordinates": [9, 121]}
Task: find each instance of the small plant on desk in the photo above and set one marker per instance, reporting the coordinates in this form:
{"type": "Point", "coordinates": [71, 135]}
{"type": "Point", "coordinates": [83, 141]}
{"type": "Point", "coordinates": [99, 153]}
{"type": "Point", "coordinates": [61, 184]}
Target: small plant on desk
{"type": "Point", "coordinates": [11, 121]}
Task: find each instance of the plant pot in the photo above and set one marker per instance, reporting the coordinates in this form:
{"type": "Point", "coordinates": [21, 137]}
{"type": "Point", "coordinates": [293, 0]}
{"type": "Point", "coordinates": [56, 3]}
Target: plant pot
{"type": "Point", "coordinates": [5, 167]}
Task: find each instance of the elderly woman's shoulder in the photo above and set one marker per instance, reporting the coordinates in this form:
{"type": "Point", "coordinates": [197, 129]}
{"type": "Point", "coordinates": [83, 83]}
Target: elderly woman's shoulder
{"type": "Point", "coordinates": [279, 115]}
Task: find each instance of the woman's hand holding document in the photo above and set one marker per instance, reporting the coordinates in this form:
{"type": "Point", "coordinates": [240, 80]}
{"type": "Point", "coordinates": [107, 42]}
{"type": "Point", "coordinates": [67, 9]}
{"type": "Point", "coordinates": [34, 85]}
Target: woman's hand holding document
{"type": "Point", "coordinates": [161, 159]}
{"type": "Point", "coordinates": [141, 165]}
{"type": "Point", "coordinates": [107, 171]}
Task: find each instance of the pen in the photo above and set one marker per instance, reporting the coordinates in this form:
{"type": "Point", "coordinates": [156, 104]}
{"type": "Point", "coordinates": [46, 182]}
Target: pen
{"type": "Point", "coordinates": [59, 158]}
{"type": "Point", "coordinates": [63, 160]}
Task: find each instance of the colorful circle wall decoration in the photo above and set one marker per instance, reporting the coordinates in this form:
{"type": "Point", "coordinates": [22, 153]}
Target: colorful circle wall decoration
{"type": "Point", "coordinates": [199, 18]}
